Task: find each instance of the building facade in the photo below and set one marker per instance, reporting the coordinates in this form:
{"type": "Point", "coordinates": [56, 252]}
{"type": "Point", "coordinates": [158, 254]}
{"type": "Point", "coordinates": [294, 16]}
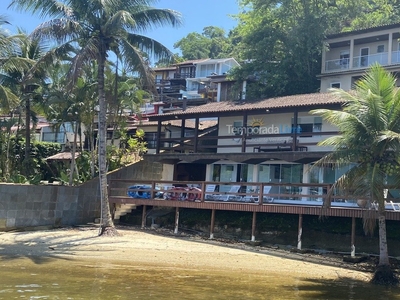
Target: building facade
{"type": "Point", "coordinates": [347, 55]}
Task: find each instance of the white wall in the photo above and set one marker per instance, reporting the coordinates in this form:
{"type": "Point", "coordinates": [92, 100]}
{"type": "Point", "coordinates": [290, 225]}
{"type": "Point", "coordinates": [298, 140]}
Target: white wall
{"type": "Point", "coordinates": [345, 82]}
{"type": "Point", "coordinates": [272, 122]}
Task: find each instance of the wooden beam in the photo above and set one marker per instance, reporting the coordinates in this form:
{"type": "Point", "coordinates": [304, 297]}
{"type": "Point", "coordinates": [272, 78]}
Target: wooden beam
{"type": "Point", "coordinates": [196, 134]}
{"type": "Point", "coordinates": [176, 220]}
{"type": "Point", "coordinates": [353, 237]}
{"type": "Point", "coordinates": [253, 227]}
{"type": "Point", "coordinates": [158, 146]}
{"type": "Point", "coordinates": [144, 216]}
{"type": "Point", "coordinates": [212, 224]}
{"type": "Point", "coordinates": [300, 232]}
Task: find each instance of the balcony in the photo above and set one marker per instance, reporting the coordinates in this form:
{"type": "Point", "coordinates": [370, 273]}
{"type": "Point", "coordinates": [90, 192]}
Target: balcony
{"type": "Point", "coordinates": [368, 60]}
{"type": "Point", "coordinates": [300, 142]}
{"type": "Point", "coordinates": [360, 62]}
{"type": "Point", "coordinates": [337, 64]}
{"type": "Point", "coordinates": [184, 75]}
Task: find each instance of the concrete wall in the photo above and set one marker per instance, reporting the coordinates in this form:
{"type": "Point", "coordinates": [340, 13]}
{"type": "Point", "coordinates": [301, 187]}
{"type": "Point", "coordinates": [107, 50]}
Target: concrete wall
{"type": "Point", "coordinates": [23, 206]}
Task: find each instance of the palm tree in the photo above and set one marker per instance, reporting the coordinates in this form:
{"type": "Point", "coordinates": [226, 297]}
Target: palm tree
{"type": "Point", "coordinates": [369, 127]}
{"type": "Point", "coordinates": [8, 99]}
{"type": "Point", "coordinates": [100, 27]}
{"type": "Point", "coordinates": [24, 79]}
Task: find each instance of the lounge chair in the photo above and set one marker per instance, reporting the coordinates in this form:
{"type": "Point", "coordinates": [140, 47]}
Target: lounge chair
{"type": "Point", "coordinates": [209, 193]}
{"type": "Point", "coordinates": [266, 191]}
{"type": "Point", "coordinates": [231, 195]}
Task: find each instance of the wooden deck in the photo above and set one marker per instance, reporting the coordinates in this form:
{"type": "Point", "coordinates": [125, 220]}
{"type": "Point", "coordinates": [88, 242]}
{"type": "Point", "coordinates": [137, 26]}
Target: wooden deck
{"type": "Point", "coordinates": [254, 201]}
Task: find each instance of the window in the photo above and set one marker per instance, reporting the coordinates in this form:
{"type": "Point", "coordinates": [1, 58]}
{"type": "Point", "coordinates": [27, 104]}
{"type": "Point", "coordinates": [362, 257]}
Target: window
{"type": "Point", "coordinates": [335, 85]}
{"type": "Point", "coordinates": [344, 58]}
{"type": "Point", "coordinates": [364, 52]}
{"type": "Point", "coordinates": [151, 139]}
{"type": "Point", "coordinates": [308, 124]}
{"type": "Point", "coordinates": [380, 49]}
{"type": "Point", "coordinates": [237, 128]}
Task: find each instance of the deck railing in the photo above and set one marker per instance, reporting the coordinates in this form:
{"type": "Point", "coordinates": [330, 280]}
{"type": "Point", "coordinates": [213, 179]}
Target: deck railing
{"type": "Point", "coordinates": [254, 193]}
{"type": "Point", "coordinates": [363, 61]}
{"type": "Point", "coordinates": [244, 143]}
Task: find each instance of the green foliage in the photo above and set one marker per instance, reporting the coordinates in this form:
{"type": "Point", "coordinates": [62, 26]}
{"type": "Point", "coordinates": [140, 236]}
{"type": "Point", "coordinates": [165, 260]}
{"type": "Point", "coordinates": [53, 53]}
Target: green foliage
{"type": "Point", "coordinates": [281, 41]}
{"type": "Point", "coordinates": [212, 43]}
{"type": "Point", "coordinates": [40, 169]}
{"type": "Point", "coordinates": [129, 151]}
{"type": "Point", "coordinates": [369, 136]}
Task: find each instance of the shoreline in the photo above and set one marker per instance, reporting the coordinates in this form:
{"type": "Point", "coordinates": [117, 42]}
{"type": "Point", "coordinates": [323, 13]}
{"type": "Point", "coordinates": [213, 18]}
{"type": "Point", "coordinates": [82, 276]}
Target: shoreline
{"type": "Point", "coordinates": [160, 249]}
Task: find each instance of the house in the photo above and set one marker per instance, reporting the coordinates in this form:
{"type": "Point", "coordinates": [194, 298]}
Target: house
{"type": "Point", "coordinates": [198, 81]}
{"type": "Point", "coordinates": [271, 141]}
{"type": "Point", "coordinates": [204, 83]}
{"type": "Point", "coordinates": [347, 55]}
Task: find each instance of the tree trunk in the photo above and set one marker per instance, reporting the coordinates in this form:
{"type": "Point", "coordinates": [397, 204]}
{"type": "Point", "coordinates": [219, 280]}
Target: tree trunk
{"type": "Point", "coordinates": [107, 225]}
{"type": "Point", "coordinates": [27, 165]}
{"type": "Point", "coordinates": [383, 273]}
{"type": "Point", "coordinates": [72, 167]}
{"type": "Point", "coordinates": [383, 249]}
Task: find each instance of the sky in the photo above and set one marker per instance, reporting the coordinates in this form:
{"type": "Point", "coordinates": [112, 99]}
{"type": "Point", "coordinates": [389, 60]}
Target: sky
{"type": "Point", "coordinates": [196, 16]}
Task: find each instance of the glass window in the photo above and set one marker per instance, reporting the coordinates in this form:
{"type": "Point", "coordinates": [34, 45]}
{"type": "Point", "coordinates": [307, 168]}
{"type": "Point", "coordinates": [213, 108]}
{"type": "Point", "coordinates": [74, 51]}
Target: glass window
{"type": "Point", "coordinates": [237, 127]}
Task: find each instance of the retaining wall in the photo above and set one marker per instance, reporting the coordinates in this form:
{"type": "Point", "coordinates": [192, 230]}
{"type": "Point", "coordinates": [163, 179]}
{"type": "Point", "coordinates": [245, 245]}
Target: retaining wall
{"type": "Point", "coordinates": [23, 206]}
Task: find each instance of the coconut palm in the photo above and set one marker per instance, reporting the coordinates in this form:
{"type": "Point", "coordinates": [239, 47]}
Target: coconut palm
{"type": "Point", "coordinates": [100, 27]}
{"type": "Point", "coordinates": [22, 78]}
{"type": "Point", "coordinates": [8, 99]}
{"type": "Point", "coordinates": [369, 126]}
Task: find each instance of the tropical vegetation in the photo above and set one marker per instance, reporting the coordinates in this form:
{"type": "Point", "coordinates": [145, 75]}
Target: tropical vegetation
{"type": "Point", "coordinates": [369, 127]}
{"type": "Point", "coordinates": [88, 33]}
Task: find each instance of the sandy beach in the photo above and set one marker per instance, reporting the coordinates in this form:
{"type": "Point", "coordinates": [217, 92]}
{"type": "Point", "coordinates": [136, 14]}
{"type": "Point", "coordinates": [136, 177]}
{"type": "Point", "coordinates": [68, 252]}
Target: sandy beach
{"type": "Point", "coordinates": [146, 247]}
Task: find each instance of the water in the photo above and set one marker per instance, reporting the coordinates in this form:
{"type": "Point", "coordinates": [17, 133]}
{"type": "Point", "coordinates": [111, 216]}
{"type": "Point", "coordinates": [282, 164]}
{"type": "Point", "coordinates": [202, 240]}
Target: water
{"type": "Point", "coordinates": [38, 278]}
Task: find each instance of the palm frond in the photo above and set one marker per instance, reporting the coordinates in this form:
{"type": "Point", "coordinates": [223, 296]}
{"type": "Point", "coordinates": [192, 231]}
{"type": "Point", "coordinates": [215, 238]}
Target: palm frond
{"type": "Point", "coordinates": [153, 17]}
{"type": "Point", "coordinates": [8, 100]}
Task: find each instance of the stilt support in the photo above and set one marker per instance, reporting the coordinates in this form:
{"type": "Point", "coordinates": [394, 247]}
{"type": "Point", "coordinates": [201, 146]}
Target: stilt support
{"type": "Point", "coordinates": [300, 232]}
{"type": "Point", "coordinates": [144, 216]}
{"type": "Point", "coordinates": [176, 220]}
{"type": "Point", "coordinates": [253, 227]}
{"type": "Point", "coordinates": [353, 237]}
{"type": "Point", "coordinates": [212, 225]}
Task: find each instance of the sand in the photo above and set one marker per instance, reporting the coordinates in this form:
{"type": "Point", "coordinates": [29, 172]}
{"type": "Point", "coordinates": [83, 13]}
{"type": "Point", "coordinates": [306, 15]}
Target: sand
{"type": "Point", "coordinates": [149, 247]}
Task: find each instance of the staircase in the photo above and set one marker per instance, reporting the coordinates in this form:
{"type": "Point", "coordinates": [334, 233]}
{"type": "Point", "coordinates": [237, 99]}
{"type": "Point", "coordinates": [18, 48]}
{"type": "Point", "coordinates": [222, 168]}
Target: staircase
{"type": "Point", "coordinates": [122, 210]}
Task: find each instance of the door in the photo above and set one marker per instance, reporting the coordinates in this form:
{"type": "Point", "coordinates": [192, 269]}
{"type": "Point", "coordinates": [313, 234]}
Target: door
{"type": "Point", "coordinates": [344, 59]}
{"type": "Point", "coordinates": [364, 52]}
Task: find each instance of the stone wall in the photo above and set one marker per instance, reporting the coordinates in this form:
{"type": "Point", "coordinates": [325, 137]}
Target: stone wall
{"type": "Point", "coordinates": [23, 206]}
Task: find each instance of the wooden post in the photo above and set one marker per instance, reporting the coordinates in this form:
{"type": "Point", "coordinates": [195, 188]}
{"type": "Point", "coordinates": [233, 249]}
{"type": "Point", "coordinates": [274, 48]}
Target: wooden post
{"type": "Point", "coordinates": [196, 134]}
{"type": "Point", "coordinates": [212, 224]}
{"type": "Point", "coordinates": [144, 216]}
{"type": "Point", "coordinates": [244, 132]}
{"type": "Point", "coordinates": [176, 220]}
{"type": "Point", "coordinates": [294, 130]}
{"type": "Point", "coordinates": [158, 143]}
{"type": "Point", "coordinates": [353, 237]}
{"type": "Point", "coordinates": [300, 232]}
{"type": "Point", "coordinates": [253, 227]}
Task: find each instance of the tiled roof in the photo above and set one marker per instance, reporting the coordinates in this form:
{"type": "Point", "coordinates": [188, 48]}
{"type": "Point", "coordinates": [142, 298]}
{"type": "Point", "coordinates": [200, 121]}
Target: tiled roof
{"type": "Point", "coordinates": [170, 68]}
{"type": "Point", "coordinates": [193, 61]}
{"type": "Point", "coordinates": [63, 156]}
{"type": "Point", "coordinates": [303, 100]}
{"type": "Point", "coordinates": [363, 30]}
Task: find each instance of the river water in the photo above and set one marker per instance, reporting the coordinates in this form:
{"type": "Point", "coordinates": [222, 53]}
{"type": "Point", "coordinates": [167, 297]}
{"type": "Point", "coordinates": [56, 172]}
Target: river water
{"type": "Point", "coordinates": [58, 278]}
